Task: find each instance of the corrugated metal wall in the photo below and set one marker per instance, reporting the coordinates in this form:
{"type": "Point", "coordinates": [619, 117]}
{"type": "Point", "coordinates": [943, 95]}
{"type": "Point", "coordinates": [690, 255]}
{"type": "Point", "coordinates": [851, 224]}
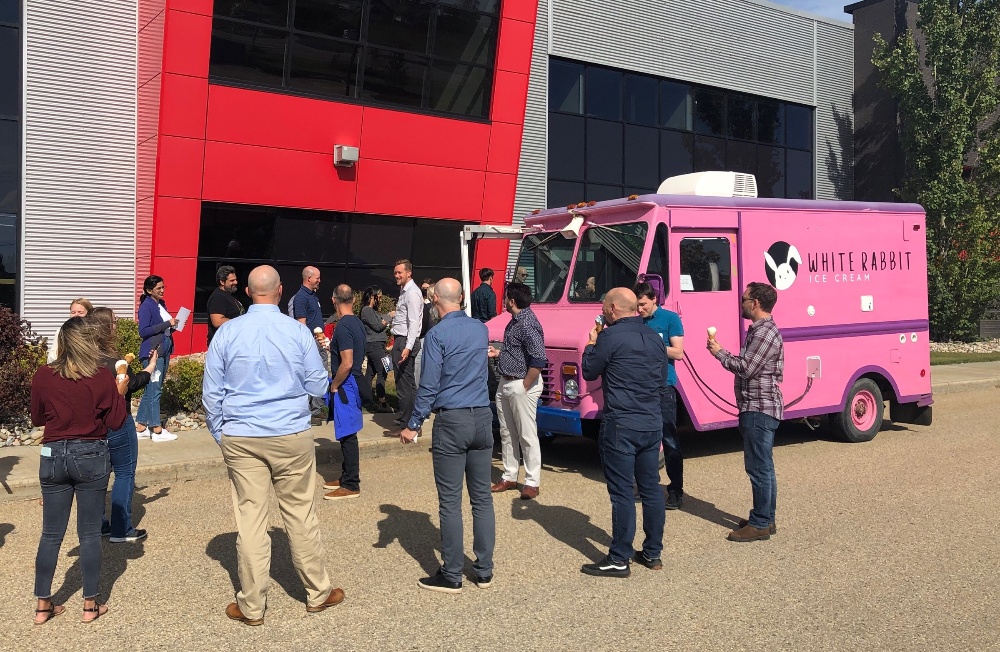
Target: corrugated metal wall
{"type": "Point", "coordinates": [743, 45]}
{"type": "Point", "coordinates": [79, 177]}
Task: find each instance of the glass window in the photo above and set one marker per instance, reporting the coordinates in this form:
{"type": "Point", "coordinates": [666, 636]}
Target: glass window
{"type": "Point", "coordinates": [799, 177]}
{"type": "Point", "coordinates": [602, 192]}
{"type": "Point", "coordinates": [604, 151]}
{"type": "Point", "coordinates": [10, 72]}
{"type": "Point", "coordinates": [10, 166]}
{"type": "Point", "coordinates": [640, 100]}
{"type": "Point", "coordinates": [642, 157]}
{"type": "Point", "coordinates": [798, 127]}
{"type": "Point", "coordinates": [740, 117]}
{"type": "Point", "coordinates": [9, 12]}
{"type": "Point", "coordinates": [403, 25]}
{"type": "Point", "coordinates": [741, 157]}
{"type": "Point", "coordinates": [658, 257]}
{"type": "Point", "coordinates": [322, 66]}
{"type": "Point", "coordinates": [604, 93]}
{"type": "Point", "coordinates": [339, 18]}
{"type": "Point", "coordinates": [464, 36]}
{"type": "Point", "coordinates": [360, 278]}
{"type": "Point", "coordinates": [546, 259]}
{"type": "Point", "coordinates": [310, 236]}
{"type": "Point", "coordinates": [564, 193]}
{"type": "Point", "coordinates": [770, 123]}
{"type": "Point", "coordinates": [488, 6]}
{"type": "Point", "coordinates": [709, 112]}
{"type": "Point", "coordinates": [566, 139]}
{"type": "Point", "coordinates": [8, 261]}
{"type": "Point", "coordinates": [706, 265]}
{"type": "Point", "coordinates": [458, 88]}
{"type": "Point", "coordinates": [676, 154]}
{"type": "Point", "coordinates": [247, 53]}
{"type": "Point", "coordinates": [565, 86]}
{"type": "Point", "coordinates": [709, 153]}
{"type": "Point", "coordinates": [770, 171]}
{"type": "Point", "coordinates": [436, 243]}
{"type": "Point", "coordinates": [394, 77]}
{"type": "Point", "coordinates": [675, 106]}
{"type": "Point", "coordinates": [608, 257]}
{"type": "Point", "coordinates": [268, 12]}
{"type": "Point", "coordinates": [236, 232]}
{"type": "Point", "coordinates": [379, 240]}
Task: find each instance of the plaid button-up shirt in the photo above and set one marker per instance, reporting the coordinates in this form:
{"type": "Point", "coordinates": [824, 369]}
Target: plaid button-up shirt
{"type": "Point", "coordinates": [758, 369]}
{"type": "Point", "coordinates": [523, 345]}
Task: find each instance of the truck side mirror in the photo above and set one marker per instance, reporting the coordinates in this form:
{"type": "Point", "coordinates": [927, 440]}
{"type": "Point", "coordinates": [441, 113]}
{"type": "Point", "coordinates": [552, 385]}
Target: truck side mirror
{"type": "Point", "coordinates": [656, 282]}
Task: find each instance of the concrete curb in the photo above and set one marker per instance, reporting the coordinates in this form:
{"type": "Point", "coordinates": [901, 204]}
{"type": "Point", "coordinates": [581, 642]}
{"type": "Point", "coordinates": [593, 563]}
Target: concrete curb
{"type": "Point", "coordinates": [966, 386]}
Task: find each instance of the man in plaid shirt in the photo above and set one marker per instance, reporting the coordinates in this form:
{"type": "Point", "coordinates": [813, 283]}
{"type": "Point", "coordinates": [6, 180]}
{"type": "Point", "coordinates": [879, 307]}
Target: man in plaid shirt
{"type": "Point", "coordinates": [758, 371]}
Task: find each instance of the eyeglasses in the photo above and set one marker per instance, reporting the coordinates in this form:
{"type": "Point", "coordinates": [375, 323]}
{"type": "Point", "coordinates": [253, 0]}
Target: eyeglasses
{"type": "Point", "coordinates": [745, 299]}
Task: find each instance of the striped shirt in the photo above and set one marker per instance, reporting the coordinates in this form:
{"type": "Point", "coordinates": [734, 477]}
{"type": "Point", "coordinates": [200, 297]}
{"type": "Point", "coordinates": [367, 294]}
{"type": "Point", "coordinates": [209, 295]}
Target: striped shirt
{"type": "Point", "coordinates": [758, 369]}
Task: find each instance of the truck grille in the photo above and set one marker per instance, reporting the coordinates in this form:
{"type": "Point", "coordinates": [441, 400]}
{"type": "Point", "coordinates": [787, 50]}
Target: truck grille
{"type": "Point", "coordinates": [548, 381]}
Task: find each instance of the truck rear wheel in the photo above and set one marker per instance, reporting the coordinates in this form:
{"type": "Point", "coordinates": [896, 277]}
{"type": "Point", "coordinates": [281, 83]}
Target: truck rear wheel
{"type": "Point", "coordinates": [861, 418]}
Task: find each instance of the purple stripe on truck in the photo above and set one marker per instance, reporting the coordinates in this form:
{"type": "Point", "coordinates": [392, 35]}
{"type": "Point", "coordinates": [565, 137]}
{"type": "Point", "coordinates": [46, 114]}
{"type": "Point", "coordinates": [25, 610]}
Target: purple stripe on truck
{"type": "Point", "coordinates": [851, 330]}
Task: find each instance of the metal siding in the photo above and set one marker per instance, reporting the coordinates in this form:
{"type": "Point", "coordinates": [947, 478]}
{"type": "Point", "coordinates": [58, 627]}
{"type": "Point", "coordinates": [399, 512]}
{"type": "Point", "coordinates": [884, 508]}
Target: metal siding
{"type": "Point", "coordinates": [79, 177]}
{"type": "Point", "coordinates": [834, 113]}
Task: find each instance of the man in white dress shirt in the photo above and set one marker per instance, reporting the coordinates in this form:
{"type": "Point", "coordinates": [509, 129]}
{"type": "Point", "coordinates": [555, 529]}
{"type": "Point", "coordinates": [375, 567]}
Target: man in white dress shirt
{"type": "Point", "coordinates": [406, 324]}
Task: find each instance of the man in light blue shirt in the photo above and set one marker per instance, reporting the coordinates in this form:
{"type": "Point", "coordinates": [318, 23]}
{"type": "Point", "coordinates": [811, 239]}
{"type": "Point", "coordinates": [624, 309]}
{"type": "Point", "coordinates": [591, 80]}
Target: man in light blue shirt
{"type": "Point", "coordinates": [260, 371]}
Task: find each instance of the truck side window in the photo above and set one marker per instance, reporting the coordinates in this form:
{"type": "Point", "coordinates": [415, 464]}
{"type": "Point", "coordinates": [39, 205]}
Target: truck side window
{"type": "Point", "coordinates": [706, 265]}
{"type": "Point", "coordinates": [658, 257]}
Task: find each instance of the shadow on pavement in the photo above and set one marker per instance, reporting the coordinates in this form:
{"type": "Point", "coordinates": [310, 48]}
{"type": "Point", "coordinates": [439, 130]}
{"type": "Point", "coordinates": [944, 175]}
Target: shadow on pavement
{"type": "Point", "coordinates": [417, 535]}
{"type": "Point", "coordinates": [7, 465]}
{"type": "Point", "coordinates": [139, 502]}
{"type": "Point", "coordinates": [564, 524]}
{"type": "Point", "coordinates": [573, 455]}
{"type": "Point", "coordinates": [708, 511]}
{"type": "Point", "coordinates": [5, 529]}
{"type": "Point", "coordinates": [222, 549]}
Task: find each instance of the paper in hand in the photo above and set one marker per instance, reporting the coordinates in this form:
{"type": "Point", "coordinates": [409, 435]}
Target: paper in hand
{"type": "Point", "coordinates": [182, 317]}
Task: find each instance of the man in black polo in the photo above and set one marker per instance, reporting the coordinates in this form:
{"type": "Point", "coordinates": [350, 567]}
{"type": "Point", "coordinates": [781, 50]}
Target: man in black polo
{"type": "Point", "coordinates": [305, 307]}
{"type": "Point", "coordinates": [631, 361]}
{"type": "Point", "coordinates": [484, 299]}
{"type": "Point", "coordinates": [222, 305]}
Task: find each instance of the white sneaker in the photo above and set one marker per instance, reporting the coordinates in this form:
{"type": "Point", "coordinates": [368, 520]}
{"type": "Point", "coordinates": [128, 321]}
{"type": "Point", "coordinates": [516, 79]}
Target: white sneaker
{"type": "Point", "coordinates": [163, 435]}
{"type": "Point", "coordinates": [145, 434]}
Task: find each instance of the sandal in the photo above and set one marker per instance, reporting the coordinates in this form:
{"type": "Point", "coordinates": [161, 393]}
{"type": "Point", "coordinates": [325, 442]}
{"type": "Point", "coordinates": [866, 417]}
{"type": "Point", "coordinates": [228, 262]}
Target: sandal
{"type": "Point", "coordinates": [53, 611]}
{"type": "Point", "coordinates": [99, 609]}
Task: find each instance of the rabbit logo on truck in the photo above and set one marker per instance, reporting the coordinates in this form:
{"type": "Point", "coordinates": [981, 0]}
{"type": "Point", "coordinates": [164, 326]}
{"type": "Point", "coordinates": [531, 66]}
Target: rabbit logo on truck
{"type": "Point", "coordinates": [781, 264]}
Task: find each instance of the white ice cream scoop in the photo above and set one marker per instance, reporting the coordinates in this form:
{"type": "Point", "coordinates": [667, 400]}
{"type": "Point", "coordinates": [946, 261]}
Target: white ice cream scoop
{"type": "Point", "coordinates": [711, 332]}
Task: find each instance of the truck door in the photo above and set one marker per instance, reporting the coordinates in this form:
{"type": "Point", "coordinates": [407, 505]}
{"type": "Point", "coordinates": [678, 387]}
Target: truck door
{"type": "Point", "coordinates": [706, 292]}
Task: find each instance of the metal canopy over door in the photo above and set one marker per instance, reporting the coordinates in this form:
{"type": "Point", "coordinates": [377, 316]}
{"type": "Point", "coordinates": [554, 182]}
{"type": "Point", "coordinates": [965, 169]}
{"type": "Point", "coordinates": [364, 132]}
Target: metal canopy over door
{"type": "Point", "coordinates": [706, 292]}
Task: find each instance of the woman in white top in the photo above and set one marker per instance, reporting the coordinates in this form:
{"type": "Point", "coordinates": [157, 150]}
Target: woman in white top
{"type": "Point", "coordinates": [79, 308]}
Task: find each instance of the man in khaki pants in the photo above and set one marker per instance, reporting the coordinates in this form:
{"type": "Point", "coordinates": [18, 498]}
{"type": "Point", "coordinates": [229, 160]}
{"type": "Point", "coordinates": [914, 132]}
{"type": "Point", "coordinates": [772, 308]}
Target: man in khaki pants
{"type": "Point", "coordinates": [520, 365]}
{"type": "Point", "coordinates": [260, 371]}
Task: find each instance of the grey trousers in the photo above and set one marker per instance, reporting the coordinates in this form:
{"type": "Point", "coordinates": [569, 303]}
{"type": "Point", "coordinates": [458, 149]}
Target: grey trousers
{"type": "Point", "coordinates": [462, 448]}
{"type": "Point", "coordinates": [317, 404]}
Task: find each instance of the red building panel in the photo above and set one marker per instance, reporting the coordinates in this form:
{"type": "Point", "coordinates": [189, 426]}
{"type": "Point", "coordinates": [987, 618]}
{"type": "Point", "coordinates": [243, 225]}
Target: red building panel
{"type": "Point", "coordinates": [524, 10]}
{"type": "Point", "coordinates": [149, 61]}
{"type": "Point", "coordinates": [505, 147]}
{"type": "Point", "coordinates": [498, 199]}
{"type": "Point", "coordinates": [236, 115]}
{"type": "Point", "coordinates": [179, 282]}
{"type": "Point", "coordinates": [391, 188]}
{"type": "Point", "coordinates": [425, 140]}
{"type": "Point", "coordinates": [514, 51]}
{"type": "Point", "coordinates": [175, 233]}
{"type": "Point", "coordinates": [510, 97]}
{"type": "Point", "coordinates": [187, 41]}
{"type": "Point", "coordinates": [184, 103]}
{"type": "Point", "coordinates": [203, 7]}
{"type": "Point", "coordinates": [179, 167]}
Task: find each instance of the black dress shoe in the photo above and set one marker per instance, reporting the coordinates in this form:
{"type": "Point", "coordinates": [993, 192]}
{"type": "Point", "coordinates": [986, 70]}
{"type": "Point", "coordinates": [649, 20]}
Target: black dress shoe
{"type": "Point", "coordinates": [674, 499]}
{"type": "Point", "coordinates": [607, 568]}
{"type": "Point", "coordinates": [439, 583]}
{"type": "Point", "coordinates": [484, 582]}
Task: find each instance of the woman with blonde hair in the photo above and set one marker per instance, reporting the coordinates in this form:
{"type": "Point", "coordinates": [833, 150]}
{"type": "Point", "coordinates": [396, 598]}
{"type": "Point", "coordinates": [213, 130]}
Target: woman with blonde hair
{"type": "Point", "coordinates": [77, 308]}
{"type": "Point", "coordinates": [78, 401]}
{"type": "Point", "coordinates": [123, 443]}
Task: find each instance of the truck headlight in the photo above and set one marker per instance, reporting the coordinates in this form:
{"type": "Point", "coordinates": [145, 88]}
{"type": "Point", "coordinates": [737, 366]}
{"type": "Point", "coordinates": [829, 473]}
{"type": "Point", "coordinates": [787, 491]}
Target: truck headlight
{"type": "Point", "coordinates": [571, 389]}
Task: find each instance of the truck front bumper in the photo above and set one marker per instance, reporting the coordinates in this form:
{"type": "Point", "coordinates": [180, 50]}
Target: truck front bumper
{"type": "Point", "coordinates": [557, 421]}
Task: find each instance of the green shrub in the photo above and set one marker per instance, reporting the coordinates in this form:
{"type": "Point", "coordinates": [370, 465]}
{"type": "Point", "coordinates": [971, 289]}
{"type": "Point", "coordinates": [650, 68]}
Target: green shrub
{"type": "Point", "coordinates": [129, 340]}
{"type": "Point", "coordinates": [182, 387]}
{"type": "Point", "coordinates": [21, 353]}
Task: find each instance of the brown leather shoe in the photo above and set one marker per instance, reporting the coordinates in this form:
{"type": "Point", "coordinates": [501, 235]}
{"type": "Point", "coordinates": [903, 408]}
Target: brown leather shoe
{"type": "Point", "coordinates": [233, 611]}
{"type": "Point", "coordinates": [749, 533]}
{"type": "Point", "coordinates": [529, 492]}
{"type": "Point", "coordinates": [772, 528]}
{"type": "Point", "coordinates": [341, 492]}
{"type": "Point", "coordinates": [332, 484]}
{"type": "Point", "coordinates": [336, 597]}
{"type": "Point", "coordinates": [503, 485]}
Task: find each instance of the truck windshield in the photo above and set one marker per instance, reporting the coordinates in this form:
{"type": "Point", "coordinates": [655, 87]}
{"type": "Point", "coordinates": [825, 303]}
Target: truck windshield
{"type": "Point", "coordinates": [608, 257]}
{"type": "Point", "coordinates": [544, 265]}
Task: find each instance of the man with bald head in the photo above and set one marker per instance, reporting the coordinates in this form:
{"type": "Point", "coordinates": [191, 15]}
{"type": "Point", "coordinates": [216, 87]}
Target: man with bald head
{"type": "Point", "coordinates": [453, 387]}
{"type": "Point", "coordinates": [305, 307]}
{"type": "Point", "coordinates": [629, 358]}
{"type": "Point", "coordinates": [260, 371]}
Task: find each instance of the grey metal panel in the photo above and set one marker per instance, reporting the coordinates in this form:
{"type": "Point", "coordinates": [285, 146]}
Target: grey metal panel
{"type": "Point", "coordinates": [533, 166]}
{"type": "Point", "coordinates": [834, 112]}
{"type": "Point", "coordinates": [79, 177]}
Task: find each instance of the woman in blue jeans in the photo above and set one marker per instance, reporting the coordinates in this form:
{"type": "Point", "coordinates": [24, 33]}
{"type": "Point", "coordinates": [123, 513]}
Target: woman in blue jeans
{"type": "Point", "coordinates": [155, 325]}
{"type": "Point", "coordinates": [78, 402]}
{"type": "Point", "coordinates": [123, 443]}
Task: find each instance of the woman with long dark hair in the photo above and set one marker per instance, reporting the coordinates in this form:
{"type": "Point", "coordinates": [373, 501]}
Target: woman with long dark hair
{"type": "Point", "coordinates": [155, 325]}
{"type": "Point", "coordinates": [78, 401]}
{"type": "Point", "coordinates": [123, 443]}
{"type": "Point", "coordinates": [376, 334]}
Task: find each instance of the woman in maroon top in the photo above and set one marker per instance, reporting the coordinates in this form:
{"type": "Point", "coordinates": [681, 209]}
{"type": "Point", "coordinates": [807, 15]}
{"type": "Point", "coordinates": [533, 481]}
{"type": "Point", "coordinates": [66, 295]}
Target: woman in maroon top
{"type": "Point", "coordinates": [77, 401]}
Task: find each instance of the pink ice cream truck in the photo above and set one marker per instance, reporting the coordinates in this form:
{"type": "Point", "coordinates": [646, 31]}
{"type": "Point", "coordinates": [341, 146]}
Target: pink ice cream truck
{"type": "Point", "coordinates": [852, 297]}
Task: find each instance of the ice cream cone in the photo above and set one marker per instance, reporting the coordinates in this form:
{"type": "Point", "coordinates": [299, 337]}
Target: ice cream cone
{"type": "Point", "coordinates": [711, 333]}
{"type": "Point", "coordinates": [121, 367]}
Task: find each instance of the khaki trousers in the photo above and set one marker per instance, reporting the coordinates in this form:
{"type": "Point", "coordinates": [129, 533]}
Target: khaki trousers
{"type": "Point", "coordinates": [289, 464]}
{"type": "Point", "coordinates": [517, 412]}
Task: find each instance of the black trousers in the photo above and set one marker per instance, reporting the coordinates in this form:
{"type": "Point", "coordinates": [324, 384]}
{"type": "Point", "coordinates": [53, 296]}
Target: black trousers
{"type": "Point", "coordinates": [350, 469]}
{"type": "Point", "coordinates": [672, 454]}
{"type": "Point", "coordinates": [406, 382]}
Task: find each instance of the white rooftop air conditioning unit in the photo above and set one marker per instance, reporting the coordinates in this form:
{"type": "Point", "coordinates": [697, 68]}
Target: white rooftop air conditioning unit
{"type": "Point", "coordinates": [711, 184]}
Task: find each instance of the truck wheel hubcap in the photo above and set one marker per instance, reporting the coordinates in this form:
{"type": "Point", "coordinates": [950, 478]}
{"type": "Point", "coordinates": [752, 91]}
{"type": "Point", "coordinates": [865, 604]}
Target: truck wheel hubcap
{"type": "Point", "coordinates": [863, 410]}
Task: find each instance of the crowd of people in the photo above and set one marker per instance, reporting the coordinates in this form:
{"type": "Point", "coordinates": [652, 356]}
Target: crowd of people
{"type": "Point", "coordinates": [268, 378]}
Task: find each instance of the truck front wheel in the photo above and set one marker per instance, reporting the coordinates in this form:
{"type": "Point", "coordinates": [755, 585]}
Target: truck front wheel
{"type": "Point", "coordinates": [861, 418]}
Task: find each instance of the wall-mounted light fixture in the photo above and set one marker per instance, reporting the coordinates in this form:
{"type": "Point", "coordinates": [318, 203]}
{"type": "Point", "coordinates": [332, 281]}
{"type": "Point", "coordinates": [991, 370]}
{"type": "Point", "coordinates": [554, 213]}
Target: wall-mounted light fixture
{"type": "Point", "coordinates": [344, 155]}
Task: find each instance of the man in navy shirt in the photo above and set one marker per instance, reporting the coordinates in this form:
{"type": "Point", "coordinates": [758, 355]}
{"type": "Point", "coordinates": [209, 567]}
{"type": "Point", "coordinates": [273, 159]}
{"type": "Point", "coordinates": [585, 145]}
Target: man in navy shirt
{"type": "Point", "coordinates": [630, 360]}
{"type": "Point", "coordinates": [484, 299]}
{"type": "Point", "coordinates": [453, 387]}
{"type": "Point", "coordinates": [668, 324]}
{"type": "Point", "coordinates": [305, 307]}
{"type": "Point", "coordinates": [347, 351]}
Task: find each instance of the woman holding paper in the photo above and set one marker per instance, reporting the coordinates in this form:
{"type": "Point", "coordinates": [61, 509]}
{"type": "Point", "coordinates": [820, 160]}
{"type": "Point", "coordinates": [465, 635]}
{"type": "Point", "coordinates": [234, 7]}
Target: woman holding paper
{"type": "Point", "coordinates": [155, 326]}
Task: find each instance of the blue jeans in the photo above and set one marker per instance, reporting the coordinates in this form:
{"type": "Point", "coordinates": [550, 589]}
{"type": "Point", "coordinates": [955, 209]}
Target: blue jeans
{"type": "Point", "coordinates": [123, 444]}
{"type": "Point", "coordinates": [73, 468]}
{"type": "Point", "coordinates": [672, 455]}
{"type": "Point", "coordinates": [631, 458]}
{"type": "Point", "coordinates": [757, 430]}
{"type": "Point", "coordinates": [149, 404]}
